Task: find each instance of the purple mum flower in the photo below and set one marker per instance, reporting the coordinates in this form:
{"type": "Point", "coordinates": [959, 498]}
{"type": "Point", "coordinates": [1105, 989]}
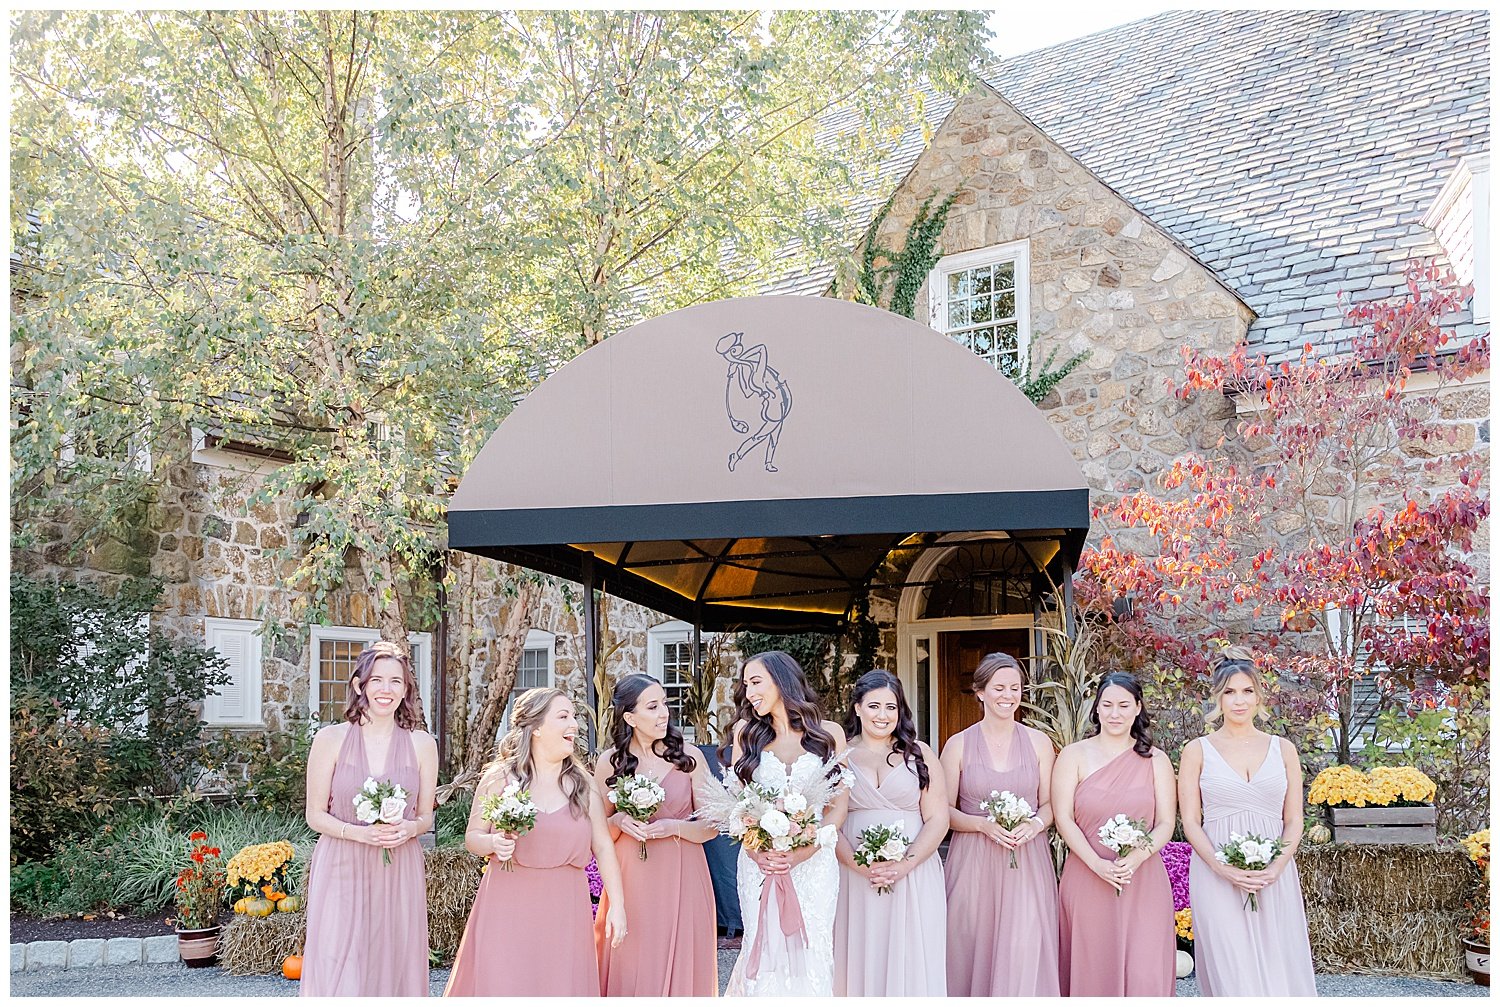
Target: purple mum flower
{"type": "Point", "coordinates": [596, 884]}
{"type": "Point", "coordinates": [1177, 856]}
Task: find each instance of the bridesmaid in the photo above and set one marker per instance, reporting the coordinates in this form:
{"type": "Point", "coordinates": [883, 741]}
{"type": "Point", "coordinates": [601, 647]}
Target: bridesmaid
{"type": "Point", "coordinates": [891, 944]}
{"type": "Point", "coordinates": [1118, 937]}
{"type": "Point", "coordinates": [366, 919]}
{"type": "Point", "coordinates": [530, 932]}
{"type": "Point", "coordinates": [1002, 922]}
{"type": "Point", "coordinates": [1241, 779]}
{"type": "Point", "coordinates": [674, 950]}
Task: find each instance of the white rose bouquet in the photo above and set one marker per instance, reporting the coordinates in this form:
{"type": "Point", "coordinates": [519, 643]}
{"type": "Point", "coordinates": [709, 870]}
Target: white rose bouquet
{"type": "Point", "coordinates": [380, 801]}
{"type": "Point", "coordinates": [881, 844]}
{"type": "Point", "coordinates": [510, 811]}
{"type": "Point", "coordinates": [638, 797]}
{"type": "Point", "coordinates": [1007, 811]}
{"type": "Point", "coordinates": [1124, 835]}
{"type": "Point", "coordinates": [1249, 853]}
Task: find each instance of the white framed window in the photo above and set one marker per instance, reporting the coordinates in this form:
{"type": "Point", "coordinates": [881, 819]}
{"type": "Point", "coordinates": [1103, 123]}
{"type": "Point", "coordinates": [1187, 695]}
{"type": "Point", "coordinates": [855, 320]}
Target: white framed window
{"type": "Point", "coordinates": [238, 701]}
{"type": "Point", "coordinates": [333, 651]}
{"type": "Point", "coordinates": [982, 300]}
{"type": "Point", "coordinates": [669, 660]}
{"type": "Point", "coordinates": [88, 632]}
{"type": "Point", "coordinates": [538, 670]}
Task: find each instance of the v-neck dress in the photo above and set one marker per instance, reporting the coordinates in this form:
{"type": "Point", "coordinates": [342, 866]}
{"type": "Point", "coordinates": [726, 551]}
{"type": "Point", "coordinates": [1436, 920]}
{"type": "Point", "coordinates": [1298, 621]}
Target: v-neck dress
{"type": "Point", "coordinates": [531, 931]}
{"type": "Point", "coordinates": [366, 919]}
{"type": "Point", "coordinates": [1116, 944]}
{"type": "Point", "coordinates": [1242, 953]}
{"type": "Point", "coordinates": [891, 944]}
{"type": "Point", "coordinates": [1002, 921]}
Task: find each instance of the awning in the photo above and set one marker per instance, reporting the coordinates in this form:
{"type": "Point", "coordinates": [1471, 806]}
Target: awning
{"type": "Point", "coordinates": [753, 463]}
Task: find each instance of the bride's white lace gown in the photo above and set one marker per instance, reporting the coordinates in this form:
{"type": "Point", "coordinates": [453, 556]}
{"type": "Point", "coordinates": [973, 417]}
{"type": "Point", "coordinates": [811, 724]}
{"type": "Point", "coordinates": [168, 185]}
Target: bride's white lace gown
{"type": "Point", "coordinates": [816, 881]}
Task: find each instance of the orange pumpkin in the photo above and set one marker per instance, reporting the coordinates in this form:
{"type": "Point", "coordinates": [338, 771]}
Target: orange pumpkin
{"type": "Point", "coordinates": [291, 966]}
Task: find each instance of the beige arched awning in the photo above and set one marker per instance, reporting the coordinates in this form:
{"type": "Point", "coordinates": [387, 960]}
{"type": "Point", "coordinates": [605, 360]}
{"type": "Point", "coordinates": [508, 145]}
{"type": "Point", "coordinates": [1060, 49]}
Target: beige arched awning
{"type": "Point", "coordinates": [753, 462]}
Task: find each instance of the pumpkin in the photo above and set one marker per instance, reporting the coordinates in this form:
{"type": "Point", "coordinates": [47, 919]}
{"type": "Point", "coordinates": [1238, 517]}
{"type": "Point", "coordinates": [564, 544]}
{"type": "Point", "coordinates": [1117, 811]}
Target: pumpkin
{"type": "Point", "coordinates": [239, 905]}
{"type": "Point", "coordinates": [1318, 834]}
{"type": "Point", "coordinates": [291, 966]}
{"type": "Point", "coordinates": [259, 907]}
{"type": "Point", "coordinates": [290, 904]}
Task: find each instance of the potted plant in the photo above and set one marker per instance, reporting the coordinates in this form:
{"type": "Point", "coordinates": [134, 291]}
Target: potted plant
{"type": "Point", "coordinates": [1392, 804]}
{"type": "Point", "coordinates": [200, 887]}
{"type": "Point", "coordinates": [1477, 935]}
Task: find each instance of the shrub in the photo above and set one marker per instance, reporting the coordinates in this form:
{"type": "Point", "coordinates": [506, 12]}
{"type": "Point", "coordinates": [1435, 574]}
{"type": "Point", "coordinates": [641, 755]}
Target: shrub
{"type": "Point", "coordinates": [1450, 742]}
{"type": "Point", "coordinates": [83, 877]}
{"type": "Point", "coordinates": [266, 769]}
{"type": "Point", "coordinates": [452, 819]}
{"type": "Point", "coordinates": [60, 777]}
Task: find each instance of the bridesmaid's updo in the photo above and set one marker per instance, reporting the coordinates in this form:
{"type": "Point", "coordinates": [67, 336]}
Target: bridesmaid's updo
{"type": "Point", "coordinates": [1236, 661]}
{"type": "Point", "coordinates": [1140, 728]}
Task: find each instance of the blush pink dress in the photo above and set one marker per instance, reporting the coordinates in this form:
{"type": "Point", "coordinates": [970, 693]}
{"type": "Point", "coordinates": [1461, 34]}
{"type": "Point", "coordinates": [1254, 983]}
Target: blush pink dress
{"type": "Point", "coordinates": [1117, 945]}
{"type": "Point", "coordinates": [1002, 922]}
{"type": "Point", "coordinates": [671, 948]}
{"type": "Point", "coordinates": [1243, 953]}
{"type": "Point", "coordinates": [366, 919]}
{"type": "Point", "coordinates": [530, 931]}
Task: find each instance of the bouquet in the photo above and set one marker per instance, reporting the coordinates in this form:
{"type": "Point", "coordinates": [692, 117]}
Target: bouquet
{"type": "Point", "coordinates": [510, 811]}
{"type": "Point", "coordinates": [1007, 811]}
{"type": "Point", "coordinates": [1249, 853]}
{"type": "Point", "coordinates": [881, 844]}
{"type": "Point", "coordinates": [200, 885]}
{"type": "Point", "coordinates": [1124, 835]}
{"type": "Point", "coordinates": [638, 797]}
{"type": "Point", "coordinates": [380, 801]}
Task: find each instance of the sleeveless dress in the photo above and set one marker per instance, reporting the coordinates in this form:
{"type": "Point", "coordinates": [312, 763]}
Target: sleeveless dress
{"type": "Point", "coordinates": [1116, 945]}
{"type": "Point", "coordinates": [530, 932]}
{"type": "Point", "coordinates": [1242, 953]}
{"type": "Point", "coordinates": [1002, 921]}
{"type": "Point", "coordinates": [816, 881]}
{"type": "Point", "coordinates": [366, 919]}
{"type": "Point", "coordinates": [891, 944]}
{"type": "Point", "coordinates": [672, 949]}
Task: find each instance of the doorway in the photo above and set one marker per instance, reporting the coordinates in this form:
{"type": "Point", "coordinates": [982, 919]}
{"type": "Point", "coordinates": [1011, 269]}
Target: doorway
{"type": "Point", "coordinates": [959, 653]}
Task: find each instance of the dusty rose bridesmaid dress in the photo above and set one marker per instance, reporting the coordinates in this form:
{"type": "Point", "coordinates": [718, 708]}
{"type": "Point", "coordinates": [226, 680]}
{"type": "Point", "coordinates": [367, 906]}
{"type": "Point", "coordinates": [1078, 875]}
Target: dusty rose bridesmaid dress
{"type": "Point", "coordinates": [1243, 953]}
{"type": "Point", "coordinates": [530, 933]}
{"type": "Point", "coordinates": [1002, 923]}
{"type": "Point", "coordinates": [366, 920]}
{"type": "Point", "coordinates": [892, 944]}
{"type": "Point", "coordinates": [1117, 945]}
{"type": "Point", "coordinates": [672, 947]}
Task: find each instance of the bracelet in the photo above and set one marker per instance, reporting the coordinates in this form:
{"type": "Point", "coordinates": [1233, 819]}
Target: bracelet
{"type": "Point", "coordinates": [343, 827]}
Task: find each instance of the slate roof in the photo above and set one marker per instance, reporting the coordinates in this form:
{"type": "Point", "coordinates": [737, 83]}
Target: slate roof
{"type": "Point", "coordinates": [1292, 152]}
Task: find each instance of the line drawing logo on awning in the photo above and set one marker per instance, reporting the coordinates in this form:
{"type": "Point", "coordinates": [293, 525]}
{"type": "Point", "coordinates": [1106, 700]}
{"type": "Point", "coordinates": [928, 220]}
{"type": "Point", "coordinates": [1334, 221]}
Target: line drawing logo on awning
{"type": "Point", "coordinates": [752, 381]}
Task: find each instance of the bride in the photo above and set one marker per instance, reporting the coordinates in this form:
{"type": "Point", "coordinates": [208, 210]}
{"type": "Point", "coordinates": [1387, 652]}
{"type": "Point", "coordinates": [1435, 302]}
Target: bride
{"type": "Point", "coordinates": [778, 739]}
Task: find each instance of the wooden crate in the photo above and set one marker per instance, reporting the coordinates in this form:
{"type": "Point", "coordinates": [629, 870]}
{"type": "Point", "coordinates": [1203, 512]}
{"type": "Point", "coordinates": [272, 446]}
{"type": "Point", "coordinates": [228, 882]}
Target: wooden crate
{"type": "Point", "coordinates": [1385, 825]}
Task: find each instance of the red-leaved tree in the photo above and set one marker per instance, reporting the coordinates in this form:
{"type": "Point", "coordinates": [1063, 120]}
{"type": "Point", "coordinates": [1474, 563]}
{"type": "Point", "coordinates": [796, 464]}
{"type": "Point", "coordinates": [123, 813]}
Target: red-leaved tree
{"type": "Point", "coordinates": [1334, 534]}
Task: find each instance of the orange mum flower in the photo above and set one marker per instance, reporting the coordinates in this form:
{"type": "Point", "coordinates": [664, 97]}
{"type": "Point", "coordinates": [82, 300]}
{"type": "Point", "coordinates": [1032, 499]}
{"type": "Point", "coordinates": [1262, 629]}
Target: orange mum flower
{"type": "Point", "coordinates": [198, 835]}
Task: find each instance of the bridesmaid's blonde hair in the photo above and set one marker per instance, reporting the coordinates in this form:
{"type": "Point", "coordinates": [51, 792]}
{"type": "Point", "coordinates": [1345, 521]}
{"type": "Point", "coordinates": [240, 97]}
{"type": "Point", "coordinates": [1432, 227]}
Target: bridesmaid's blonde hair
{"type": "Point", "coordinates": [513, 759]}
{"type": "Point", "coordinates": [1236, 661]}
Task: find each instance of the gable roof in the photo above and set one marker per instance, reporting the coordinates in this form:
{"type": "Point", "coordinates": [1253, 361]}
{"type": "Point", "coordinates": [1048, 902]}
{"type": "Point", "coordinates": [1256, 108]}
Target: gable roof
{"type": "Point", "coordinates": [1292, 152]}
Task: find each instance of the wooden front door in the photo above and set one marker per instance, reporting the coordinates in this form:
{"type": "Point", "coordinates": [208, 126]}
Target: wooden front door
{"type": "Point", "coordinates": [958, 655]}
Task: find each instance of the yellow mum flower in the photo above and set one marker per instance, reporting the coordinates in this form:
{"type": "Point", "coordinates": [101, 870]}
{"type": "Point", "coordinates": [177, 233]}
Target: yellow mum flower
{"type": "Point", "coordinates": [1400, 783]}
{"type": "Point", "coordinates": [1478, 848]}
{"type": "Point", "coordinates": [1340, 785]}
{"type": "Point", "coordinates": [1184, 919]}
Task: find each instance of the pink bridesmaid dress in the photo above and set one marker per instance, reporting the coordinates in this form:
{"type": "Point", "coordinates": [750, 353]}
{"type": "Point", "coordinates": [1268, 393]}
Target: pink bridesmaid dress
{"type": "Point", "coordinates": [672, 948]}
{"type": "Point", "coordinates": [1002, 922]}
{"type": "Point", "coordinates": [1117, 944]}
{"type": "Point", "coordinates": [892, 944]}
{"type": "Point", "coordinates": [1243, 953]}
{"type": "Point", "coordinates": [530, 933]}
{"type": "Point", "coordinates": [366, 919]}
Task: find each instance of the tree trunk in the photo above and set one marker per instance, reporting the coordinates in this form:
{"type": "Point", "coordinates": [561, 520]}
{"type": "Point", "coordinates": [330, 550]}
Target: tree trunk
{"type": "Point", "coordinates": [501, 678]}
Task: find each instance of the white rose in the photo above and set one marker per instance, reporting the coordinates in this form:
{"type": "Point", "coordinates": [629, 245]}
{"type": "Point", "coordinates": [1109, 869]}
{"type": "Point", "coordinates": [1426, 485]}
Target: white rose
{"type": "Point", "coordinates": [781, 843]}
{"type": "Point", "coordinates": [365, 812]}
{"type": "Point", "coordinates": [775, 823]}
{"type": "Point", "coordinates": [370, 785]}
{"type": "Point", "coordinates": [392, 808]}
{"type": "Point", "coordinates": [1220, 856]}
{"type": "Point", "coordinates": [894, 849]}
{"type": "Point", "coordinates": [614, 797]}
{"type": "Point", "coordinates": [794, 803]}
{"type": "Point", "coordinates": [642, 797]}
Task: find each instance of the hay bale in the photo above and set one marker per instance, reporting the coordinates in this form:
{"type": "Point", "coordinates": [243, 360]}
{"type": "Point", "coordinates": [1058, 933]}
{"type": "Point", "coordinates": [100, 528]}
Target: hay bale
{"type": "Point", "coordinates": [1413, 879]}
{"type": "Point", "coordinates": [1387, 910]}
{"type": "Point", "coordinates": [250, 946]}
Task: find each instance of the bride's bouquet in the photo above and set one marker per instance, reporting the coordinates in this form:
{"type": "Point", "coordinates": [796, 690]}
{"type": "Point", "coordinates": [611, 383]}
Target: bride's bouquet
{"type": "Point", "coordinates": [639, 797]}
{"type": "Point", "coordinates": [1249, 853]}
{"type": "Point", "coordinates": [1007, 811]}
{"type": "Point", "coordinates": [510, 811]}
{"type": "Point", "coordinates": [1124, 835]}
{"type": "Point", "coordinates": [380, 801]}
{"type": "Point", "coordinates": [882, 844]}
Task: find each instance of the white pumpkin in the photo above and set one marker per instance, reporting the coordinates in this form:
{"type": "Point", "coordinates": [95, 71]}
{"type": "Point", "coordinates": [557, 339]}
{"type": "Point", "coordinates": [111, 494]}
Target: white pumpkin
{"type": "Point", "coordinates": [1184, 965]}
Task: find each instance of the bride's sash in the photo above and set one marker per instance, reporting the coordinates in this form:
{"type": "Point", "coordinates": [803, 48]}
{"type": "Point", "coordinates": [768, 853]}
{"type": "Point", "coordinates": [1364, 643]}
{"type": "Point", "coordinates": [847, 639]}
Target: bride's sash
{"type": "Point", "coordinates": [793, 943]}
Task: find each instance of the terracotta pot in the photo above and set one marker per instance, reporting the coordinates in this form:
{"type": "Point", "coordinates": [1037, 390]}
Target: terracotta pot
{"type": "Point", "coordinates": [1477, 958]}
{"type": "Point", "coordinates": [198, 948]}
